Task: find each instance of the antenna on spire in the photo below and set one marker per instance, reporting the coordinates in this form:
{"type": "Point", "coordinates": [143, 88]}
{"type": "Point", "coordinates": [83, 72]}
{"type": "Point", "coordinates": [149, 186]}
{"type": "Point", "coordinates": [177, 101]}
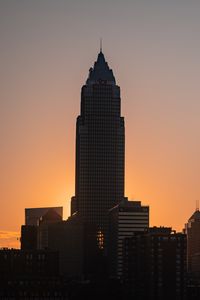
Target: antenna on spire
{"type": "Point", "coordinates": [100, 44]}
{"type": "Point", "coordinates": [197, 205]}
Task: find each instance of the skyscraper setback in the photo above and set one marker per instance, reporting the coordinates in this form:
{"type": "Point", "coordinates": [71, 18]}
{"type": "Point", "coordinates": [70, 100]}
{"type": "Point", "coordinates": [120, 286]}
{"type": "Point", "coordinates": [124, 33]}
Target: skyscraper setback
{"type": "Point", "coordinates": [100, 145]}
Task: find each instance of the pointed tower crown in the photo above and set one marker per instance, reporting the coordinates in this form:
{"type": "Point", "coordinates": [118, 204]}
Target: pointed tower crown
{"type": "Point", "coordinates": [100, 72]}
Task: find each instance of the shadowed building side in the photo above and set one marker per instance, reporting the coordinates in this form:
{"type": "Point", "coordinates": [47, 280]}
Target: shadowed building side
{"type": "Point", "coordinates": [154, 264]}
{"type": "Point", "coordinates": [193, 246]}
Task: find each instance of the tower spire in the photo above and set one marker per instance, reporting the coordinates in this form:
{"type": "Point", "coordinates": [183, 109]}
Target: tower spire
{"type": "Point", "coordinates": [100, 44]}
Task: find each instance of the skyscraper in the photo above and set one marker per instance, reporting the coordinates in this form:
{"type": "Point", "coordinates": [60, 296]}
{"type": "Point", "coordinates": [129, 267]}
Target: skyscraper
{"type": "Point", "coordinates": [99, 148]}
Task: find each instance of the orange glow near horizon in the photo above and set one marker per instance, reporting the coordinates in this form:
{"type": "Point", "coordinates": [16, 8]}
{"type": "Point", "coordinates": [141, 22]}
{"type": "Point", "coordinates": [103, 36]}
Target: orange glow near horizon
{"type": "Point", "coordinates": [9, 239]}
{"type": "Point", "coordinates": [47, 48]}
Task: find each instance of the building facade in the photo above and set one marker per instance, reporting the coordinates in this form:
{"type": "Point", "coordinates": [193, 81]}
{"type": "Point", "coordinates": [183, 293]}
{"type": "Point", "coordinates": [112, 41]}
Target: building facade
{"type": "Point", "coordinates": [124, 219]}
{"type": "Point", "coordinates": [34, 234]}
{"type": "Point", "coordinates": [154, 264]}
{"type": "Point", "coordinates": [77, 245]}
{"type": "Point", "coordinates": [192, 230]}
{"type": "Point", "coordinates": [33, 215]}
{"type": "Point", "coordinates": [29, 237]}
{"type": "Point", "coordinates": [99, 148]}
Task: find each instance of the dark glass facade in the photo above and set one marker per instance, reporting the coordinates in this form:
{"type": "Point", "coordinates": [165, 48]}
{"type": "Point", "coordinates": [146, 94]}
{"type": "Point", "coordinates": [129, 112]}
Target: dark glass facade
{"type": "Point", "coordinates": [154, 264]}
{"type": "Point", "coordinates": [99, 148]}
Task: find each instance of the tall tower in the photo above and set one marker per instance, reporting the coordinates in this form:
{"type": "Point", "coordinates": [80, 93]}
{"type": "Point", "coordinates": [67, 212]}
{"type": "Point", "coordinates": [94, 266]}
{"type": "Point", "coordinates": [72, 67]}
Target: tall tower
{"type": "Point", "coordinates": [99, 148]}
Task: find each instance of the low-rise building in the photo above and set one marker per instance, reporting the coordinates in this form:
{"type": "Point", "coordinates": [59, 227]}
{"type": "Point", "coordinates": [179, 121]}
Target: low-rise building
{"type": "Point", "coordinates": [154, 264]}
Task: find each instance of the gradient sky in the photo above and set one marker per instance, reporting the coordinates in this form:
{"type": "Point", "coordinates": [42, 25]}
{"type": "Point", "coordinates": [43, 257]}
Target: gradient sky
{"type": "Point", "coordinates": [46, 50]}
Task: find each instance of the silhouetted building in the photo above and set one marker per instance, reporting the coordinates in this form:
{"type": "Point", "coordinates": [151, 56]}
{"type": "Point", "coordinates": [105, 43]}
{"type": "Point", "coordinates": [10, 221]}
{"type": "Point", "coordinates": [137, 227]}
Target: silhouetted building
{"type": "Point", "coordinates": [34, 236]}
{"type": "Point", "coordinates": [193, 244]}
{"type": "Point", "coordinates": [30, 275]}
{"type": "Point", "coordinates": [33, 215]}
{"type": "Point", "coordinates": [193, 288]}
{"type": "Point", "coordinates": [154, 264]}
{"type": "Point", "coordinates": [99, 148]}
{"type": "Point", "coordinates": [125, 218]}
{"type": "Point", "coordinates": [76, 242]}
{"type": "Point", "coordinates": [79, 248]}
{"type": "Point", "coordinates": [19, 263]}
{"type": "Point", "coordinates": [50, 217]}
{"type": "Point", "coordinates": [29, 237]}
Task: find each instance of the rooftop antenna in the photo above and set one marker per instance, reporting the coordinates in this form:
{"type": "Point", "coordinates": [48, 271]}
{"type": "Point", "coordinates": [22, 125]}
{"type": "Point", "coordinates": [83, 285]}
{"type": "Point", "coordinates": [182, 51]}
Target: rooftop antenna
{"type": "Point", "coordinates": [197, 205]}
{"type": "Point", "coordinates": [100, 44]}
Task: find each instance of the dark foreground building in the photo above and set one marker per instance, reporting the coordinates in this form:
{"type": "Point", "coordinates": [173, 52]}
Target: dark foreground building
{"type": "Point", "coordinates": [99, 148]}
{"type": "Point", "coordinates": [27, 274]}
{"type": "Point", "coordinates": [154, 265]}
{"type": "Point", "coordinates": [125, 218]}
{"type": "Point", "coordinates": [193, 245]}
{"type": "Point", "coordinates": [192, 230]}
{"type": "Point", "coordinates": [75, 240]}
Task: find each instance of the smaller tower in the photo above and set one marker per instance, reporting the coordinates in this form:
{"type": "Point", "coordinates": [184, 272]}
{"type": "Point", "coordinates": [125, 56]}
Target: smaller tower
{"type": "Point", "coordinates": [124, 219]}
{"type": "Point", "coordinates": [193, 243]}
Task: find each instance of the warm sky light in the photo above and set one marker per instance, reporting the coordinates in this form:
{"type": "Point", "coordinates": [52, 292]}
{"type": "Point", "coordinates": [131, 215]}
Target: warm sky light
{"type": "Point", "coordinates": [47, 48]}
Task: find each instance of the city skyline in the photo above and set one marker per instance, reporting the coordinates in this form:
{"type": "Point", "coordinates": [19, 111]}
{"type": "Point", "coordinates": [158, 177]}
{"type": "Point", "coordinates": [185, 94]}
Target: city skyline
{"type": "Point", "coordinates": [41, 81]}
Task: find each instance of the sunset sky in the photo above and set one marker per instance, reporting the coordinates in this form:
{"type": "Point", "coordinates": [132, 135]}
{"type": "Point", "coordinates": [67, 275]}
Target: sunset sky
{"type": "Point", "coordinates": [46, 50]}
